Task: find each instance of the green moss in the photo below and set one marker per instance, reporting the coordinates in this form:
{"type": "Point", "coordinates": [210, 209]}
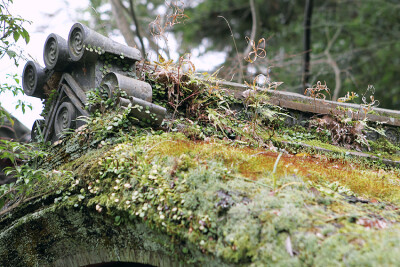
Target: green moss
{"type": "Point", "coordinates": [209, 192]}
{"type": "Point", "coordinates": [317, 143]}
{"type": "Point", "coordinates": [198, 193]}
{"type": "Point", "coordinates": [385, 148]}
{"type": "Point", "coordinates": [389, 115]}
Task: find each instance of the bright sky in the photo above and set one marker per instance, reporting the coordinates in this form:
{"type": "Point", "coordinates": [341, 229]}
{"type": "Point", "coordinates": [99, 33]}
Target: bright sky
{"type": "Point", "coordinates": [58, 16]}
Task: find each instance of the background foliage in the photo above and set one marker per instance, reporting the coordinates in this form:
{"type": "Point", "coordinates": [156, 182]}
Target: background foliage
{"type": "Point", "coordinates": [354, 42]}
{"type": "Point", "coordinates": [12, 29]}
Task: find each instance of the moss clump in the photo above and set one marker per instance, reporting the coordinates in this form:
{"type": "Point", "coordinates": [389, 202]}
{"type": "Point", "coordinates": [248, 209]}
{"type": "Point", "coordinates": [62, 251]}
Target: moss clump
{"type": "Point", "coordinates": [317, 143]}
{"type": "Point", "coordinates": [386, 148]}
{"type": "Point", "coordinates": [203, 194]}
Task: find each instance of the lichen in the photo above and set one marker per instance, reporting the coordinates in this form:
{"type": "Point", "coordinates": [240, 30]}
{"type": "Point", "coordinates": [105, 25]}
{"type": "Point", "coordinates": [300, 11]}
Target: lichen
{"type": "Point", "coordinates": [220, 200]}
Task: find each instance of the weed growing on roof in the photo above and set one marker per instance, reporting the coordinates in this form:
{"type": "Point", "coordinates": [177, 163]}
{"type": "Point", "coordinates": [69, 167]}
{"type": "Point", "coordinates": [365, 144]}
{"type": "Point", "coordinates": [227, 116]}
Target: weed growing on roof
{"type": "Point", "coordinates": [203, 110]}
{"type": "Point", "coordinates": [343, 131]}
{"type": "Point", "coordinates": [192, 194]}
{"type": "Point", "coordinates": [385, 147]}
{"type": "Point", "coordinates": [367, 106]}
{"type": "Point", "coordinates": [158, 28]}
{"type": "Point", "coordinates": [256, 51]}
{"type": "Point", "coordinates": [318, 91]}
{"type": "Point", "coordinates": [221, 199]}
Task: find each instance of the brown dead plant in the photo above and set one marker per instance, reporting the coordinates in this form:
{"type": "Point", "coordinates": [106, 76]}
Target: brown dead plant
{"type": "Point", "coordinates": [343, 131]}
{"type": "Point", "coordinates": [348, 97]}
{"type": "Point", "coordinates": [318, 90]}
{"type": "Point", "coordinates": [368, 106]}
{"type": "Point", "coordinates": [177, 79]}
{"type": "Point", "coordinates": [256, 51]}
{"type": "Point", "coordinates": [158, 28]}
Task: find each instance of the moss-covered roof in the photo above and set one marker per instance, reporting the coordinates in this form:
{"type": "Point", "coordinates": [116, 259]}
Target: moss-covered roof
{"type": "Point", "coordinates": [210, 200]}
{"type": "Point", "coordinates": [219, 190]}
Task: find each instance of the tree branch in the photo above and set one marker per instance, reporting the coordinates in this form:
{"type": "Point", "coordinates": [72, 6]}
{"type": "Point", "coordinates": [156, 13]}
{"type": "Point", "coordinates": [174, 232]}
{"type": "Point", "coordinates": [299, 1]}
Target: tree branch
{"type": "Point", "coordinates": [137, 27]}
{"type": "Point", "coordinates": [122, 23]}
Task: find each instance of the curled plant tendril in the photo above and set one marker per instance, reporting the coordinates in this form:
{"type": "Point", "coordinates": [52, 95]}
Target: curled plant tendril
{"type": "Point", "coordinates": [316, 91]}
{"type": "Point", "coordinates": [258, 51]}
{"type": "Point", "coordinates": [374, 103]}
{"type": "Point", "coordinates": [156, 30]}
{"type": "Point", "coordinates": [177, 16]}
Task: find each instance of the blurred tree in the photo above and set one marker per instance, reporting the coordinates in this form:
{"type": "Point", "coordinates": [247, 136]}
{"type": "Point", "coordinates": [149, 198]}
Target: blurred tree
{"type": "Point", "coordinates": [11, 31]}
{"type": "Point", "coordinates": [355, 42]}
{"type": "Point", "coordinates": [11, 152]}
{"type": "Point", "coordinates": [307, 44]}
{"type": "Point", "coordinates": [131, 17]}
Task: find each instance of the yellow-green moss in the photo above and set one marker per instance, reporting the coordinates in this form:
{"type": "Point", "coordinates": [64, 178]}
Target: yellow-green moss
{"type": "Point", "coordinates": [217, 199]}
{"type": "Point", "coordinates": [222, 200]}
{"type": "Point", "coordinates": [385, 148]}
{"type": "Point", "coordinates": [318, 143]}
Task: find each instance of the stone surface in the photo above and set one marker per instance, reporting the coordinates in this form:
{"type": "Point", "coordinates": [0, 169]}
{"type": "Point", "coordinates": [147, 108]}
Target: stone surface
{"type": "Point", "coordinates": [87, 60]}
{"type": "Point", "coordinates": [68, 237]}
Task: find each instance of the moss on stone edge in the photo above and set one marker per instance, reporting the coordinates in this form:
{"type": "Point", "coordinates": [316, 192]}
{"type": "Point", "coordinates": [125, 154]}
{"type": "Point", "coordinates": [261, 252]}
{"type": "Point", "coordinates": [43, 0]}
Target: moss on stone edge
{"type": "Point", "coordinates": [206, 201]}
{"type": "Point", "coordinates": [215, 200]}
{"type": "Point", "coordinates": [65, 236]}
